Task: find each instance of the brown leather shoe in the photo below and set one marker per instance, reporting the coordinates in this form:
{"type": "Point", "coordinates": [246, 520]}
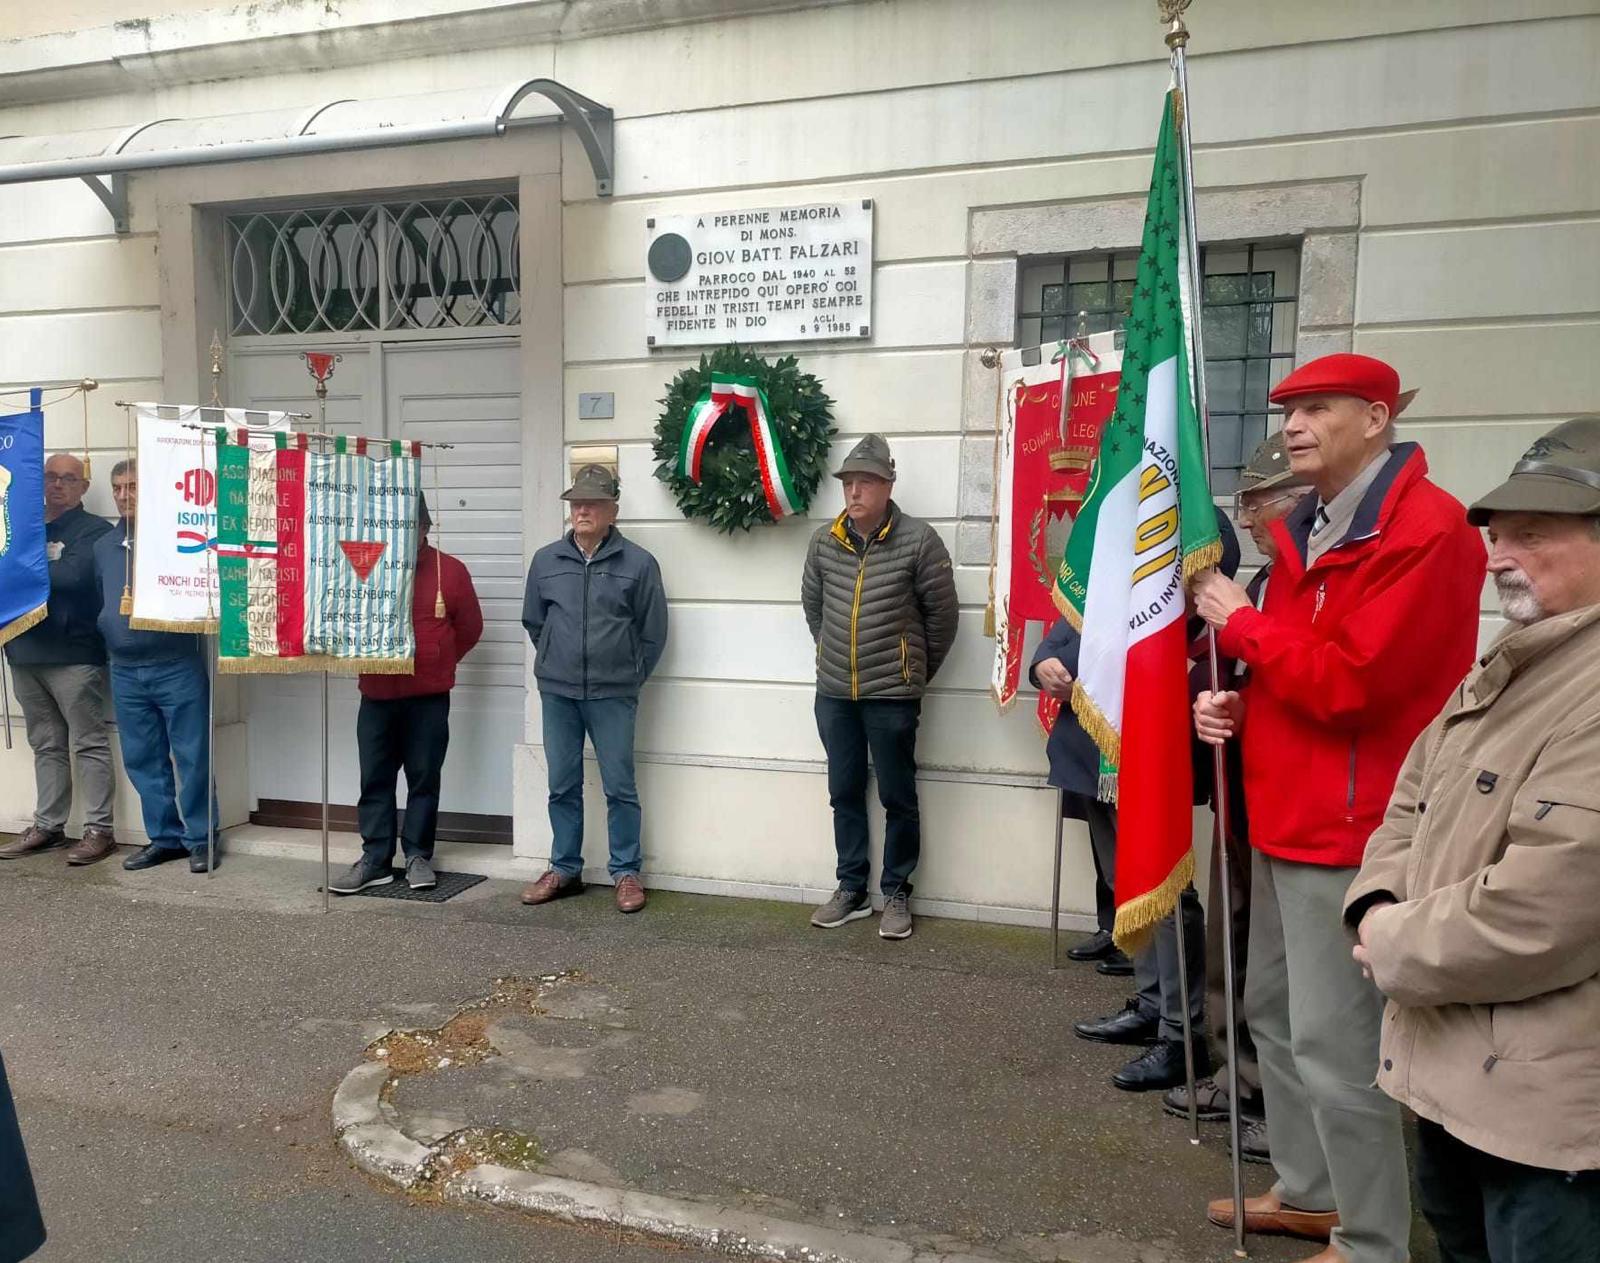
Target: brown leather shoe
{"type": "Point", "coordinates": [629, 892]}
{"type": "Point", "coordinates": [1331, 1255]}
{"type": "Point", "coordinates": [94, 846]}
{"type": "Point", "coordinates": [551, 886]}
{"type": "Point", "coordinates": [33, 840]}
{"type": "Point", "coordinates": [1268, 1215]}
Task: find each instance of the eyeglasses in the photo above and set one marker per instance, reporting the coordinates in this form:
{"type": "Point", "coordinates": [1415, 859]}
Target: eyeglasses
{"type": "Point", "coordinates": [1243, 508]}
{"type": "Point", "coordinates": [66, 480]}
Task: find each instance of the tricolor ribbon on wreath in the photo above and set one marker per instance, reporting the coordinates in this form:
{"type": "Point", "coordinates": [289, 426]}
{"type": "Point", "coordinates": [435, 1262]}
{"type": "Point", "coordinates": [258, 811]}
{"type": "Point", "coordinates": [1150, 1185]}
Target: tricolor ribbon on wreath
{"type": "Point", "coordinates": [725, 391]}
{"type": "Point", "coordinates": [1056, 400]}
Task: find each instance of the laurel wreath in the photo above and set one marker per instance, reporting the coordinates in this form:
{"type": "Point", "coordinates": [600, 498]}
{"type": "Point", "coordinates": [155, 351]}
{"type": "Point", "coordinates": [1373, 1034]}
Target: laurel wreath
{"type": "Point", "coordinates": [729, 494]}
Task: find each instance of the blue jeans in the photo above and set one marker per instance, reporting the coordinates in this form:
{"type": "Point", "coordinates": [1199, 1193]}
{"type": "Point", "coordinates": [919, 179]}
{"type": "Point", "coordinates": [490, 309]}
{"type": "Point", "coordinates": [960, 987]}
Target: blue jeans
{"type": "Point", "coordinates": [887, 728]}
{"type": "Point", "coordinates": [608, 723]}
{"type": "Point", "coordinates": [163, 718]}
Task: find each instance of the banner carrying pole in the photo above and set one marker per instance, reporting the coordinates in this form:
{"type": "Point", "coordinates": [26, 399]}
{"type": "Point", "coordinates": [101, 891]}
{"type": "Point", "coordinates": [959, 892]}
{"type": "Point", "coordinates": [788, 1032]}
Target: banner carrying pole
{"type": "Point", "coordinates": [1177, 40]}
{"type": "Point", "coordinates": [5, 700]}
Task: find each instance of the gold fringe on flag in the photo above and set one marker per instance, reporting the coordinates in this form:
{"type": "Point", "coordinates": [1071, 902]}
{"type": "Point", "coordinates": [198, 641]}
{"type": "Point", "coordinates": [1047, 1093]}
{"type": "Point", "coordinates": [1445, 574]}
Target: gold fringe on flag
{"type": "Point", "coordinates": [265, 665]}
{"type": "Point", "coordinates": [989, 624]}
{"type": "Point", "coordinates": [1094, 722]}
{"type": "Point", "coordinates": [200, 626]}
{"type": "Point", "coordinates": [1138, 918]}
{"type": "Point", "coordinates": [1207, 557]}
{"type": "Point", "coordinates": [18, 625]}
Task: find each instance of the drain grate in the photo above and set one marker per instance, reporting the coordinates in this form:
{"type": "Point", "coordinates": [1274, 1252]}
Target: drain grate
{"type": "Point", "coordinates": [450, 885]}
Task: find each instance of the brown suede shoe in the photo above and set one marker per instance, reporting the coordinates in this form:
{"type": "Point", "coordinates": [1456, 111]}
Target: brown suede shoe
{"type": "Point", "coordinates": [33, 840]}
{"type": "Point", "coordinates": [629, 892]}
{"type": "Point", "coordinates": [94, 846]}
{"type": "Point", "coordinates": [1331, 1255]}
{"type": "Point", "coordinates": [551, 886]}
{"type": "Point", "coordinates": [1268, 1215]}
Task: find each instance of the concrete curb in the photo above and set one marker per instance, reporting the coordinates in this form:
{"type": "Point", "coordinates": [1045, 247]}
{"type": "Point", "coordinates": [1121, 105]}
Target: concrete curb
{"type": "Point", "coordinates": [361, 1123]}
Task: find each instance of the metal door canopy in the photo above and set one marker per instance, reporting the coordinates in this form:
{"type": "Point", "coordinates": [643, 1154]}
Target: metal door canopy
{"type": "Point", "coordinates": [104, 158]}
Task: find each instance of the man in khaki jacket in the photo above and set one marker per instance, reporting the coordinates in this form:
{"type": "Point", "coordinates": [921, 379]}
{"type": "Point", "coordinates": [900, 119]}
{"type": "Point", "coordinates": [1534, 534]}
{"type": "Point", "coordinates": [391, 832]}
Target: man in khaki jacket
{"type": "Point", "coordinates": [1478, 904]}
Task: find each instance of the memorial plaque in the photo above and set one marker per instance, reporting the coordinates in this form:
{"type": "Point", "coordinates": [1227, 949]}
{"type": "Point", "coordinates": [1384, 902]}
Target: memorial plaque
{"type": "Point", "coordinates": [785, 274]}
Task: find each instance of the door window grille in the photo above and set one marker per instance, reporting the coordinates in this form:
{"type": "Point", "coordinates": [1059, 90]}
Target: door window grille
{"type": "Point", "coordinates": [434, 264]}
{"type": "Point", "coordinates": [1250, 296]}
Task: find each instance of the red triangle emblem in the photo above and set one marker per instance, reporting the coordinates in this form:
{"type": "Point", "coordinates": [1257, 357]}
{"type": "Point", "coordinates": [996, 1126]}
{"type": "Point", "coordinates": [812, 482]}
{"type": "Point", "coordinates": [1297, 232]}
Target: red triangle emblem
{"type": "Point", "coordinates": [362, 554]}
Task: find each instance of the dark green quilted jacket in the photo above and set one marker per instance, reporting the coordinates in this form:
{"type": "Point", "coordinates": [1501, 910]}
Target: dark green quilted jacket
{"type": "Point", "coordinates": [883, 618]}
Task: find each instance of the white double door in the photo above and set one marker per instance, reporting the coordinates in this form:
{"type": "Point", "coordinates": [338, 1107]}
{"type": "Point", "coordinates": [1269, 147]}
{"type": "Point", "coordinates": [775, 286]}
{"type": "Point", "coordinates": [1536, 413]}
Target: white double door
{"type": "Point", "coordinates": [463, 391]}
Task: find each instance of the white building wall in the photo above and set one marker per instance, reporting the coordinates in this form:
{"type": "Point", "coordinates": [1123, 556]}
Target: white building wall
{"type": "Point", "coordinates": [1473, 135]}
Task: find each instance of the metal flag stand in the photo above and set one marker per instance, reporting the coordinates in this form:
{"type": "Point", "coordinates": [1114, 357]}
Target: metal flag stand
{"type": "Point", "coordinates": [1177, 39]}
{"type": "Point", "coordinates": [320, 364]}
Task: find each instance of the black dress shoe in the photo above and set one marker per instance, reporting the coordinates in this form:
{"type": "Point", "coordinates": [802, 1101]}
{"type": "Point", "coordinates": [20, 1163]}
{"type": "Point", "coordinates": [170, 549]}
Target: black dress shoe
{"type": "Point", "coordinates": [1116, 965]}
{"type": "Point", "coordinates": [1159, 1066]}
{"type": "Point", "coordinates": [150, 856]}
{"type": "Point", "coordinates": [1096, 947]}
{"type": "Point", "coordinates": [1127, 1027]}
{"type": "Point", "coordinates": [197, 861]}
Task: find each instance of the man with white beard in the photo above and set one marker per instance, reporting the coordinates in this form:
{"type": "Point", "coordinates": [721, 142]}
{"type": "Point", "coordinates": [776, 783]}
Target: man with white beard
{"type": "Point", "coordinates": [1477, 906]}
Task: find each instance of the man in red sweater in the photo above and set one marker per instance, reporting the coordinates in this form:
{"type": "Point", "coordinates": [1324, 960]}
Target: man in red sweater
{"type": "Point", "coordinates": [1368, 623]}
{"type": "Point", "coordinates": [405, 723]}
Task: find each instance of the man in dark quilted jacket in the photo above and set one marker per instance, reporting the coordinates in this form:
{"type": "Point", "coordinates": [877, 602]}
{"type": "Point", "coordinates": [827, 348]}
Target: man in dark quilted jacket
{"type": "Point", "coordinates": [880, 598]}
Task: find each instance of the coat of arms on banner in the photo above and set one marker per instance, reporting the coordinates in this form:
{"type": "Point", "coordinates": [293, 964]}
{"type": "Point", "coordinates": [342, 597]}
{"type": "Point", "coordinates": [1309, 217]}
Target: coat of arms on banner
{"type": "Point", "coordinates": [1056, 401]}
{"type": "Point", "coordinates": [174, 572]}
{"type": "Point", "coordinates": [316, 554]}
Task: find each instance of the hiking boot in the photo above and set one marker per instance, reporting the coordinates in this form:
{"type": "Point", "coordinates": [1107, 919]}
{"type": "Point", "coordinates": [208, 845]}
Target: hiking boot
{"type": "Point", "coordinates": [1253, 1146]}
{"type": "Point", "coordinates": [552, 885]}
{"type": "Point", "coordinates": [1211, 1101]}
{"type": "Point", "coordinates": [846, 905]}
{"type": "Point", "coordinates": [96, 843]}
{"type": "Point", "coordinates": [361, 875]}
{"type": "Point", "coordinates": [896, 920]}
{"type": "Point", "coordinates": [33, 840]}
{"type": "Point", "coordinates": [419, 873]}
{"type": "Point", "coordinates": [629, 892]}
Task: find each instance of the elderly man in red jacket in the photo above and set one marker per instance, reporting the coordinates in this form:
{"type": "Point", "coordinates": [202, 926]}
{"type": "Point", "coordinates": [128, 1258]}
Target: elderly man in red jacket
{"type": "Point", "coordinates": [405, 723]}
{"type": "Point", "coordinates": [1369, 621]}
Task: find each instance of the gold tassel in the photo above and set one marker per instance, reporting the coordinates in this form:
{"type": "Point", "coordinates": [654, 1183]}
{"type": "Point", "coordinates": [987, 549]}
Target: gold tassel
{"type": "Point", "coordinates": [988, 620]}
{"type": "Point", "coordinates": [125, 606]}
{"type": "Point", "coordinates": [438, 603]}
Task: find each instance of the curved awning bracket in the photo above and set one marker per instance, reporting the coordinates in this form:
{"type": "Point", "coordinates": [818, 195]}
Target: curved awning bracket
{"type": "Point", "coordinates": [591, 120]}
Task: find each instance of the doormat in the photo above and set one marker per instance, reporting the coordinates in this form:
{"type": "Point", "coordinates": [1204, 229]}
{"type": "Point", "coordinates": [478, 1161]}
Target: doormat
{"type": "Point", "coordinates": [450, 885]}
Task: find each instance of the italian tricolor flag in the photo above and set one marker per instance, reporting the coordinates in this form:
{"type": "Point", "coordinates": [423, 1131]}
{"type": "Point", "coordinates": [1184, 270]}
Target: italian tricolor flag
{"type": "Point", "coordinates": [1146, 527]}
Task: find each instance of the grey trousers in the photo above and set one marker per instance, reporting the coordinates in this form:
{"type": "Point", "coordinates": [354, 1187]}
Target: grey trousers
{"type": "Point", "coordinates": [1155, 970]}
{"type": "Point", "coordinates": [1335, 1138]}
{"type": "Point", "coordinates": [65, 711]}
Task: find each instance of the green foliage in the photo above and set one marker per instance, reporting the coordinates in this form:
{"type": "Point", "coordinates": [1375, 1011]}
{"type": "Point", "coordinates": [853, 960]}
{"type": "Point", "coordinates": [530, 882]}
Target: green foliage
{"type": "Point", "coordinates": [729, 495]}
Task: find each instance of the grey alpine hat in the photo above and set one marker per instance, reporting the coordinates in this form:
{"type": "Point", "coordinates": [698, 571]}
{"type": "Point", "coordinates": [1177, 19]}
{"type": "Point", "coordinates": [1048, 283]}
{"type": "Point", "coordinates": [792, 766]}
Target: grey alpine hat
{"type": "Point", "coordinates": [592, 482]}
{"type": "Point", "coordinates": [1560, 473]}
{"type": "Point", "coordinates": [1268, 467]}
{"type": "Point", "coordinates": [870, 456]}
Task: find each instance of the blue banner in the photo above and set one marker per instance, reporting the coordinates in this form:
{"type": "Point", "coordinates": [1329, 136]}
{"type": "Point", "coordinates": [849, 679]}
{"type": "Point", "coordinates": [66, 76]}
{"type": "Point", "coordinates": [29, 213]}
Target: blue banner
{"type": "Point", "coordinates": [24, 570]}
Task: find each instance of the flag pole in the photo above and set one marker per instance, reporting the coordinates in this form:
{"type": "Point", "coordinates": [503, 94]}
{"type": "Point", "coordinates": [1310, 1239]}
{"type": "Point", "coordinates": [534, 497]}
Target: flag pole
{"type": "Point", "coordinates": [1055, 887]}
{"type": "Point", "coordinates": [1177, 40]}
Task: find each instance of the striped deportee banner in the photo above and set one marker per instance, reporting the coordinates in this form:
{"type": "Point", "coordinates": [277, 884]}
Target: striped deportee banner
{"type": "Point", "coordinates": [317, 555]}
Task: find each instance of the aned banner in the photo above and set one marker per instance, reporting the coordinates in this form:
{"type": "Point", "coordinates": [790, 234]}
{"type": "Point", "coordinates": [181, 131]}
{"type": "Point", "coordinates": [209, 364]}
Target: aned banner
{"type": "Point", "coordinates": [317, 554]}
{"type": "Point", "coordinates": [24, 568]}
{"type": "Point", "coordinates": [1057, 398]}
{"type": "Point", "coordinates": [174, 564]}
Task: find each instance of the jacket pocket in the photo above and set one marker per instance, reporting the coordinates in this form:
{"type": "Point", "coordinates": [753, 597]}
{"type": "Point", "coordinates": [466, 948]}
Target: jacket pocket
{"type": "Point", "coordinates": [1557, 1024]}
{"type": "Point", "coordinates": [905, 658]}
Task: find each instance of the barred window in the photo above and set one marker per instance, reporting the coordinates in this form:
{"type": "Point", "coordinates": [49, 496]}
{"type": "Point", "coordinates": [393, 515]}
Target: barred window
{"type": "Point", "coordinates": [434, 264]}
{"type": "Point", "coordinates": [1249, 314]}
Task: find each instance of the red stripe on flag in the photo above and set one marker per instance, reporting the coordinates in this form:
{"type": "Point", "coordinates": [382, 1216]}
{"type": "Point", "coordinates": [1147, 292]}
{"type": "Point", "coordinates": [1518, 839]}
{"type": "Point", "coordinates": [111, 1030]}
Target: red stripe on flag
{"type": "Point", "coordinates": [361, 447]}
{"type": "Point", "coordinates": [1155, 776]}
{"type": "Point", "coordinates": [291, 553]}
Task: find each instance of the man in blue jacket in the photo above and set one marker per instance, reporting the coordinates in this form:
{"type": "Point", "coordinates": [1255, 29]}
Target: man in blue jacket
{"type": "Point", "coordinates": [161, 697]}
{"type": "Point", "coordinates": [596, 612]}
{"type": "Point", "coordinates": [1154, 1016]}
{"type": "Point", "coordinates": [59, 669]}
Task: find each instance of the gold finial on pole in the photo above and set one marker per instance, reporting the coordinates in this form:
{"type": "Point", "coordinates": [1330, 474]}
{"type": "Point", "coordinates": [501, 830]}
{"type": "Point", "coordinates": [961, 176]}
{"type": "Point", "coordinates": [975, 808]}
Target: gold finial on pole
{"type": "Point", "coordinates": [216, 369]}
{"type": "Point", "coordinates": [1172, 17]}
{"type": "Point", "coordinates": [989, 357]}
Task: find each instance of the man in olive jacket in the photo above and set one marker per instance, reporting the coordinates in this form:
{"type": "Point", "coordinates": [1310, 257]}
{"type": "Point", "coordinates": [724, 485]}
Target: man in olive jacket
{"type": "Point", "coordinates": [880, 599]}
{"type": "Point", "coordinates": [596, 612]}
{"type": "Point", "coordinates": [1478, 901]}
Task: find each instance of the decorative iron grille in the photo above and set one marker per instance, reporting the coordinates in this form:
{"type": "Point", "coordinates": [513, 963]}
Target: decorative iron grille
{"type": "Point", "coordinates": [1250, 297]}
{"type": "Point", "coordinates": [449, 263]}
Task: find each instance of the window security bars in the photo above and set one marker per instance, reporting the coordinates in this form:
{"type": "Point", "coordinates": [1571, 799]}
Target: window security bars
{"type": "Point", "coordinates": [438, 264]}
{"type": "Point", "coordinates": [1250, 297]}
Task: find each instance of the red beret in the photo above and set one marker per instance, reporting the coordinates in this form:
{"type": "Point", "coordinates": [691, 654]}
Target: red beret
{"type": "Point", "coordinates": [1358, 375]}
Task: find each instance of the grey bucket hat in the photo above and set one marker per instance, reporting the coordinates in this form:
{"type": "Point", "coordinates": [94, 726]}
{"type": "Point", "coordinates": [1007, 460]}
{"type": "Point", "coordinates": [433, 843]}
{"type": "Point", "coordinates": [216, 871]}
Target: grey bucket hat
{"type": "Point", "coordinates": [870, 456]}
{"type": "Point", "coordinates": [592, 482]}
{"type": "Point", "coordinates": [1560, 473]}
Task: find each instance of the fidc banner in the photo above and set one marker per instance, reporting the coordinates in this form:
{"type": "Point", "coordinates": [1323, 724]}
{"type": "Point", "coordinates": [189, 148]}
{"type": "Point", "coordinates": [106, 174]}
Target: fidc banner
{"type": "Point", "coordinates": [24, 569]}
{"type": "Point", "coordinates": [1057, 399]}
{"type": "Point", "coordinates": [317, 553]}
{"type": "Point", "coordinates": [174, 564]}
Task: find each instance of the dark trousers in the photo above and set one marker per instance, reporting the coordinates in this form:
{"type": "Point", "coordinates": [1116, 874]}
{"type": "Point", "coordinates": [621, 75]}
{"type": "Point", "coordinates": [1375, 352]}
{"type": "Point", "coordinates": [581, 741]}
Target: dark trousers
{"type": "Point", "coordinates": [1238, 848]}
{"type": "Point", "coordinates": [410, 733]}
{"type": "Point", "coordinates": [1486, 1209]}
{"type": "Point", "coordinates": [888, 729]}
{"type": "Point", "coordinates": [21, 1229]}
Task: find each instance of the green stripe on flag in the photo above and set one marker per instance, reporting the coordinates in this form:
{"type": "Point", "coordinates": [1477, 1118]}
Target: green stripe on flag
{"type": "Point", "coordinates": [233, 573]}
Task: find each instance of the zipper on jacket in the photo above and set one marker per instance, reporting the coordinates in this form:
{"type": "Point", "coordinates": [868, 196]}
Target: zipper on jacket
{"type": "Point", "coordinates": [855, 617]}
{"type": "Point", "coordinates": [586, 630]}
{"type": "Point", "coordinates": [905, 659]}
{"type": "Point", "coordinates": [1350, 790]}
